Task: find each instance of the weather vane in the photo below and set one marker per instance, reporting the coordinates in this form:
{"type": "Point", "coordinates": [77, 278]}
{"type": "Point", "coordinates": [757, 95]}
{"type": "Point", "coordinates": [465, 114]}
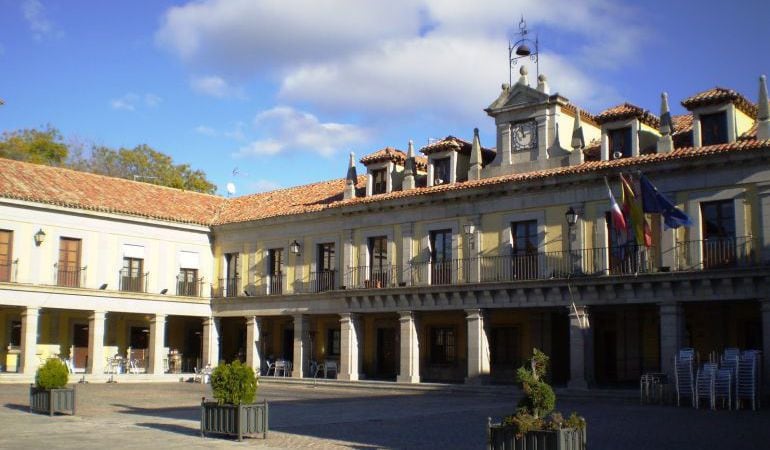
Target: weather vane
{"type": "Point", "coordinates": [520, 49]}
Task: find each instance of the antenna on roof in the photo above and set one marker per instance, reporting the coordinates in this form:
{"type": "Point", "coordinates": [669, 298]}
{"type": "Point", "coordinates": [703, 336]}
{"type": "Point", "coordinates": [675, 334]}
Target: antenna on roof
{"type": "Point", "coordinates": [230, 189]}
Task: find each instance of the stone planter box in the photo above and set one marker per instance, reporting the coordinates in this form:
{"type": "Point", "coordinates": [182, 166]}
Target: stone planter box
{"type": "Point", "coordinates": [504, 438]}
{"type": "Point", "coordinates": [51, 401]}
{"type": "Point", "coordinates": [234, 420]}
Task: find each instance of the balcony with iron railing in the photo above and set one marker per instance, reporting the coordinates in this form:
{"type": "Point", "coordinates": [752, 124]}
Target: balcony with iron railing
{"type": "Point", "coordinates": [372, 277]}
{"type": "Point", "coordinates": [69, 275]}
{"type": "Point", "coordinates": [187, 287]}
{"type": "Point", "coordinates": [228, 287]}
{"type": "Point", "coordinates": [133, 281]}
{"type": "Point", "coordinates": [625, 260]}
{"type": "Point", "coordinates": [322, 281]}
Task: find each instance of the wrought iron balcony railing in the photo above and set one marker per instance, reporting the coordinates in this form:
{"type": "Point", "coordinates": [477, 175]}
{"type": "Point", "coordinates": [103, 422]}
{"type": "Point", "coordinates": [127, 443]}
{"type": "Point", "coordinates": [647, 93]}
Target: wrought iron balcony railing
{"type": "Point", "coordinates": [715, 253]}
{"type": "Point", "coordinates": [228, 287]}
{"type": "Point", "coordinates": [133, 281]}
{"type": "Point", "coordinates": [371, 277]}
{"type": "Point", "coordinates": [189, 287]}
{"type": "Point", "coordinates": [588, 262]}
{"type": "Point", "coordinates": [69, 275]}
{"type": "Point", "coordinates": [321, 281]}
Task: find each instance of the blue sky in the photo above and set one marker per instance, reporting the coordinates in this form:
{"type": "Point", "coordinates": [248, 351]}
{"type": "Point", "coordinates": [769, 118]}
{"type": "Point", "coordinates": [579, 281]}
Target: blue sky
{"type": "Point", "coordinates": [283, 90]}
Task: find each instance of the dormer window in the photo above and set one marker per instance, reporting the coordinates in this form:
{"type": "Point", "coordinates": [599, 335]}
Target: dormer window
{"type": "Point", "coordinates": [379, 181]}
{"type": "Point", "coordinates": [620, 143]}
{"type": "Point", "coordinates": [713, 128]}
{"type": "Point", "coordinates": [441, 171]}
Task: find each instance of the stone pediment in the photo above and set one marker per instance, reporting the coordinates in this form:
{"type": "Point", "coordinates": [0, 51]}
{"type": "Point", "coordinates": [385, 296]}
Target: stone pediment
{"type": "Point", "coordinates": [517, 96]}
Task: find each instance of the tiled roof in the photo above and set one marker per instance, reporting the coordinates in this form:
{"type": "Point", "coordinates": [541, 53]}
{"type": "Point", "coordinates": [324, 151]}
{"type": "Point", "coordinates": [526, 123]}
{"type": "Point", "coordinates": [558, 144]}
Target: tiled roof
{"type": "Point", "coordinates": [81, 190]}
{"type": "Point", "coordinates": [593, 151]}
{"type": "Point", "coordinates": [682, 123]}
{"type": "Point", "coordinates": [627, 111]}
{"type": "Point", "coordinates": [395, 155]}
{"type": "Point", "coordinates": [458, 145]}
{"type": "Point", "coordinates": [751, 133]}
{"type": "Point", "coordinates": [585, 116]}
{"type": "Point", "coordinates": [284, 202]}
{"type": "Point", "coordinates": [328, 195]}
{"type": "Point", "coordinates": [720, 95]}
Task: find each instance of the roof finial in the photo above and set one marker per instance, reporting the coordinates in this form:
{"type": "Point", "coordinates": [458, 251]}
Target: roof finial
{"type": "Point", "coordinates": [763, 112]}
{"type": "Point", "coordinates": [474, 171]}
{"type": "Point", "coordinates": [523, 78]}
{"type": "Point", "coordinates": [665, 141]}
{"type": "Point", "coordinates": [542, 84]}
{"type": "Point", "coordinates": [666, 125]}
{"type": "Point", "coordinates": [578, 140]}
{"type": "Point", "coordinates": [409, 169]}
{"type": "Point", "coordinates": [351, 178]}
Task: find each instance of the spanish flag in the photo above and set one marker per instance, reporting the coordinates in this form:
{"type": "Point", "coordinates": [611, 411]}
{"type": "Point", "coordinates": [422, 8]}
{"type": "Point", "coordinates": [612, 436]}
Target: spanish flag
{"type": "Point", "coordinates": [632, 207]}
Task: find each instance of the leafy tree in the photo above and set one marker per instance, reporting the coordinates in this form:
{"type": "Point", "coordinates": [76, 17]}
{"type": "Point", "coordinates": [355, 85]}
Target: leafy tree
{"type": "Point", "coordinates": [142, 163]}
{"type": "Point", "coordinates": [35, 146]}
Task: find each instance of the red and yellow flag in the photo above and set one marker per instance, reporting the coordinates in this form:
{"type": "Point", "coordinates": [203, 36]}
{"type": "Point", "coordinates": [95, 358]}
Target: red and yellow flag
{"type": "Point", "coordinates": [632, 208]}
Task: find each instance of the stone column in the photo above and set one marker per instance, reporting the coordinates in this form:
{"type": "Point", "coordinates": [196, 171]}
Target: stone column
{"type": "Point", "coordinates": [210, 343]}
{"type": "Point", "coordinates": [350, 326]}
{"type": "Point", "coordinates": [409, 363]}
{"type": "Point", "coordinates": [671, 320]}
{"type": "Point", "coordinates": [253, 330]}
{"type": "Point", "coordinates": [766, 342]}
{"type": "Point", "coordinates": [29, 362]}
{"type": "Point", "coordinates": [96, 359]}
{"type": "Point", "coordinates": [578, 323]}
{"type": "Point", "coordinates": [301, 328]}
{"type": "Point", "coordinates": [478, 347]}
{"type": "Point", "coordinates": [157, 343]}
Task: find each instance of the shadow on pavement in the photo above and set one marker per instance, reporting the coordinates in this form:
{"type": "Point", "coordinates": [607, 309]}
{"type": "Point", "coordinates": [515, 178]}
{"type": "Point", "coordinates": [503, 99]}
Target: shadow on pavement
{"type": "Point", "coordinates": [185, 413]}
{"type": "Point", "coordinates": [17, 407]}
{"type": "Point", "coordinates": [170, 427]}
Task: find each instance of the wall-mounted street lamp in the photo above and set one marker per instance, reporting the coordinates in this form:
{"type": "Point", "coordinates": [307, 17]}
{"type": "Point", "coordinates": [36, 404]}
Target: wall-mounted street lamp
{"type": "Point", "coordinates": [572, 217]}
{"type": "Point", "coordinates": [521, 49]}
{"type": "Point", "coordinates": [39, 237]}
{"type": "Point", "coordinates": [294, 248]}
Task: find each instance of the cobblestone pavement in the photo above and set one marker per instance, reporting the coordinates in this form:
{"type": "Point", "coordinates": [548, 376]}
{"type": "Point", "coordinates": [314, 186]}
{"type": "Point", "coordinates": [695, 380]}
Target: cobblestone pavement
{"type": "Point", "coordinates": [112, 416]}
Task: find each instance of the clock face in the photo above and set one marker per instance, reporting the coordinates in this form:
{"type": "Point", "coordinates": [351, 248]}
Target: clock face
{"type": "Point", "coordinates": [524, 135]}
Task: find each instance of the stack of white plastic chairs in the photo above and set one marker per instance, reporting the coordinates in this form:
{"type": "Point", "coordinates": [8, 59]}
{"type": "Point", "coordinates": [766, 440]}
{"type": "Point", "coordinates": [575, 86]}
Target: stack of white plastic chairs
{"type": "Point", "coordinates": [704, 385]}
{"type": "Point", "coordinates": [747, 378]}
{"type": "Point", "coordinates": [684, 362]}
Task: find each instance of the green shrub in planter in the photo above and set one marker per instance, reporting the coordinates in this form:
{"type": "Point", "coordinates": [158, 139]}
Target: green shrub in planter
{"type": "Point", "coordinates": [234, 384]}
{"type": "Point", "coordinates": [531, 427]}
{"type": "Point", "coordinates": [52, 375]}
{"type": "Point", "coordinates": [50, 394]}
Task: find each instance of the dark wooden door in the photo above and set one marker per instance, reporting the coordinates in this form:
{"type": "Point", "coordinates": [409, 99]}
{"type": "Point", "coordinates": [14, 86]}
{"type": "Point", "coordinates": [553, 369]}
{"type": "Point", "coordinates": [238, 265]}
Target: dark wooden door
{"type": "Point", "coordinates": [386, 353]}
{"type": "Point", "coordinates": [80, 344]}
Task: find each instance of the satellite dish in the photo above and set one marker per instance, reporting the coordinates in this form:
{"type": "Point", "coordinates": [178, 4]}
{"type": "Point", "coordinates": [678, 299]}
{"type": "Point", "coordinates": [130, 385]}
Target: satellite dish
{"type": "Point", "coordinates": [230, 188]}
{"type": "Point", "coordinates": [617, 155]}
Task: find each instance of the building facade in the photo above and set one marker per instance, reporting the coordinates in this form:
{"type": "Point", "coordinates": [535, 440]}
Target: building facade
{"type": "Point", "coordinates": [446, 267]}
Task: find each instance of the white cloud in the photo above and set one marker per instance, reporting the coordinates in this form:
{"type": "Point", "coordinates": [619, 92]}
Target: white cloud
{"type": "Point", "coordinates": [132, 101]}
{"type": "Point", "coordinates": [215, 86]}
{"type": "Point", "coordinates": [286, 129]}
{"type": "Point", "coordinates": [239, 35]}
{"type": "Point", "coordinates": [35, 15]}
{"type": "Point", "coordinates": [414, 57]}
